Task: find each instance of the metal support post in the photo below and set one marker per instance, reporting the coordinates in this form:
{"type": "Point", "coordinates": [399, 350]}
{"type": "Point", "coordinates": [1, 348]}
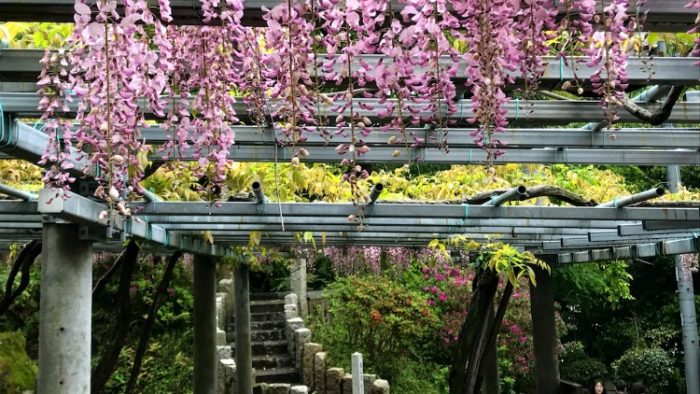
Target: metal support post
{"type": "Point", "coordinates": [686, 301]}
{"type": "Point", "coordinates": [205, 359]}
{"type": "Point", "coordinates": [244, 357]}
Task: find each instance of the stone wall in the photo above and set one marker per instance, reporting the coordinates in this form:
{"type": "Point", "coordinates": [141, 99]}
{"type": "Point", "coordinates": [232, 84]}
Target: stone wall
{"type": "Point", "coordinates": [226, 370]}
{"type": "Point", "coordinates": [312, 362]}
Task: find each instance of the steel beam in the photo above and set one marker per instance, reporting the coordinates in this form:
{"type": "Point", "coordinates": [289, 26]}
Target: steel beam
{"type": "Point", "coordinates": [524, 111]}
{"type": "Point", "coordinates": [641, 250]}
{"type": "Point", "coordinates": [23, 65]}
{"type": "Point", "coordinates": [194, 212]}
{"type": "Point", "coordinates": [663, 15]}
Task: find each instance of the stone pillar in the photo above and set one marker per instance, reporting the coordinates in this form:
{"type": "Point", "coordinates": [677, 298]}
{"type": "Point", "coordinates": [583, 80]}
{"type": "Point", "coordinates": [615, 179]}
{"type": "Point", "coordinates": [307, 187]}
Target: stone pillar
{"type": "Point", "coordinates": [544, 333]}
{"type": "Point", "coordinates": [290, 328]}
{"type": "Point", "coordinates": [320, 372]}
{"type": "Point", "coordinates": [347, 384]}
{"type": "Point", "coordinates": [380, 387]}
{"type": "Point", "coordinates": [334, 380]}
{"type": "Point", "coordinates": [205, 357]}
{"type": "Point", "coordinates": [358, 384]}
{"type": "Point", "coordinates": [298, 285]}
{"type": "Point", "coordinates": [367, 380]}
{"type": "Point", "coordinates": [226, 286]}
{"type": "Point", "coordinates": [310, 350]}
{"type": "Point", "coordinates": [301, 337]}
{"type": "Point", "coordinates": [278, 388]}
{"type": "Point", "coordinates": [65, 312]}
{"type": "Point", "coordinates": [244, 356]}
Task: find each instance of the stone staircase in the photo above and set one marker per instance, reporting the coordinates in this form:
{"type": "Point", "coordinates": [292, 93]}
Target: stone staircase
{"type": "Point", "coordinates": [271, 359]}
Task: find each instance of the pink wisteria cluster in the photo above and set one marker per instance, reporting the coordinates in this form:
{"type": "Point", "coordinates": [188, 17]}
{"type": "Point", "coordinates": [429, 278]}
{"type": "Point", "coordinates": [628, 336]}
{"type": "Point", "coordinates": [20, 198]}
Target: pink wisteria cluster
{"type": "Point", "coordinates": [695, 5]}
{"type": "Point", "coordinates": [356, 260]}
{"type": "Point", "coordinates": [357, 64]}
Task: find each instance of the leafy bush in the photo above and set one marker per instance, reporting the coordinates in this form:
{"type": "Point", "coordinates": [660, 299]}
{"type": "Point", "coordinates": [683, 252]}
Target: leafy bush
{"type": "Point", "coordinates": [653, 365]}
{"type": "Point", "coordinates": [388, 323]}
{"type": "Point", "coordinates": [17, 371]}
{"type": "Point", "coordinates": [576, 366]}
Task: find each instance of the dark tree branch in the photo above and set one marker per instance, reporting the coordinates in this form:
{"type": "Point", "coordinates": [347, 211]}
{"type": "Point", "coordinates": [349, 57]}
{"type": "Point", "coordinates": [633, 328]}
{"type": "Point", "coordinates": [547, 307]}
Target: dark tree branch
{"type": "Point", "coordinates": [102, 282]}
{"type": "Point", "coordinates": [659, 116]}
{"type": "Point", "coordinates": [534, 192]}
{"type": "Point", "coordinates": [152, 168]}
{"type": "Point", "coordinates": [150, 320]}
{"type": "Point", "coordinates": [110, 355]}
{"type": "Point", "coordinates": [22, 263]}
{"type": "Point", "coordinates": [498, 319]}
{"type": "Point", "coordinates": [473, 331]}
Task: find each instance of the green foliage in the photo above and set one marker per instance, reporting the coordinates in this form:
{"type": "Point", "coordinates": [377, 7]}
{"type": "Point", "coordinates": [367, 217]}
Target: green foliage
{"type": "Point", "coordinates": [420, 377]}
{"type": "Point", "coordinates": [652, 365]}
{"type": "Point", "coordinates": [167, 366]}
{"type": "Point", "coordinates": [591, 283]}
{"type": "Point", "coordinates": [35, 35]}
{"type": "Point", "coordinates": [17, 371]}
{"type": "Point", "coordinates": [380, 318]}
{"type": "Point", "coordinates": [576, 366]}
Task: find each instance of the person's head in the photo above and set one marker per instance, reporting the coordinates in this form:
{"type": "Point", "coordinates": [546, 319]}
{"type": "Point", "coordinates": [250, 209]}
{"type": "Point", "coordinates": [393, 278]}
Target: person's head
{"type": "Point", "coordinates": [598, 387]}
{"type": "Point", "coordinates": [638, 388]}
{"type": "Point", "coordinates": [620, 386]}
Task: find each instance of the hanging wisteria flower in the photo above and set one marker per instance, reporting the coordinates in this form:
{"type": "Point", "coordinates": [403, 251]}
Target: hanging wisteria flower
{"type": "Point", "coordinates": [113, 65]}
{"type": "Point", "coordinates": [607, 52]}
{"type": "Point", "coordinates": [492, 51]}
{"type": "Point", "coordinates": [695, 5]}
{"type": "Point", "coordinates": [534, 22]}
{"type": "Point", "coordinates": [286, 68]}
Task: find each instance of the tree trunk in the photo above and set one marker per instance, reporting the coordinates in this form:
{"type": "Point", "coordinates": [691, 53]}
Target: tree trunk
{"type": "Point", "coordinates": [110, 355]}
{"type": "Point", "coordinates": [23, 263]}
{"type": "Point", "coordinates": [473, 334]}
{"type": "Point", "coordinates": [150, 320]}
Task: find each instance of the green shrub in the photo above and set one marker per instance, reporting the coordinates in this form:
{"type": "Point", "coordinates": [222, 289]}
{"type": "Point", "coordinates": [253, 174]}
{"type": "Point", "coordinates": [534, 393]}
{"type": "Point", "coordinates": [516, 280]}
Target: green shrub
{"type": "Point", "coordinates": [576, 366]}
{"type": "Point", "coordinates": [391, 325]}
{"type": "Point", "coordinates": [652, 365]}
{"type": "Point", "coordinates": [17, 370]}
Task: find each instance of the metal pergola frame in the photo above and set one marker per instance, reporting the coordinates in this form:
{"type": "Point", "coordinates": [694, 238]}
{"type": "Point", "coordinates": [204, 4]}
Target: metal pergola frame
{"type": "Point", "coordinates": [72, 225]}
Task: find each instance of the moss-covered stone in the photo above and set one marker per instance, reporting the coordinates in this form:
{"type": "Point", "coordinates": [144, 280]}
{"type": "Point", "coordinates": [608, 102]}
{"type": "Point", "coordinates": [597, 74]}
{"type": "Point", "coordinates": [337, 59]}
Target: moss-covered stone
{"type": "Point", "coordinates": [17, 371]}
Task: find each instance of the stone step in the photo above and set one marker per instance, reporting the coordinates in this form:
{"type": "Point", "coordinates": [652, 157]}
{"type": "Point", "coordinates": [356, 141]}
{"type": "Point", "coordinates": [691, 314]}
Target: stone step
{"type": "Point", "coordinates": [265, 347]}
{"type": "Point", "coordinates": [259, 335]}
{"type": "Point", "coordinates": [268, 296]}
{"type": "Point", "coordinates": [263, 316]}
{"type": "Point", "coordinates": [277, 375]}
{"type": "Point", "coordinates": [267, 306]}
{"type": "Point", "coordinates": [272, 361]}
{"type": "Point", "coordinates": [261, 326]}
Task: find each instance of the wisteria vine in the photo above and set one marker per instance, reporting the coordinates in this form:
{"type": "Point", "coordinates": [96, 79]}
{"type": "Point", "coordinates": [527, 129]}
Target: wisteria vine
{"type": "Point", "coordinates": [375, 68]}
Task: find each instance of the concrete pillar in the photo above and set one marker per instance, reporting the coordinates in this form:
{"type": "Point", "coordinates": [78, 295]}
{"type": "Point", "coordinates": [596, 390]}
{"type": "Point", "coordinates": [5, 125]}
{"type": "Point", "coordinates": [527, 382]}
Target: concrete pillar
{"type": "Point", "coordinates": [544, 333]}
{"type": "Point", "coordinates": [205, 355]}
{"type": "Point", "coordinates": [65, 312]}
{"type": "Point", "coordinates": [244, 355]}
{"type": "Point", "coordinates": [298, 286]}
